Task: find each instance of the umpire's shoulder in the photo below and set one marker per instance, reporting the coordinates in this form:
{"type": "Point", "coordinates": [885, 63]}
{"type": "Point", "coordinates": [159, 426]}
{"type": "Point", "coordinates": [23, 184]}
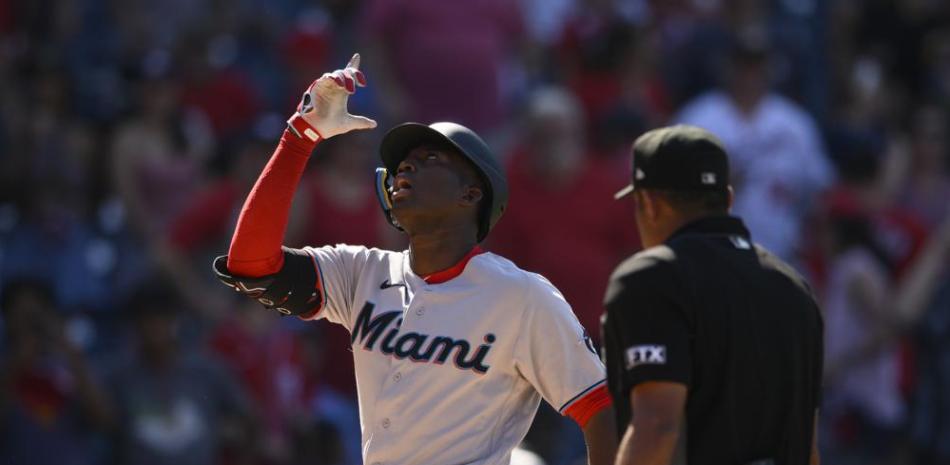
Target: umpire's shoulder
{"type": "Point", "coordinates": [648, 270]}
{"type": "Point", "coordinates": [652, 261]}
{"type": "Point", "coordinates": [769, 261]}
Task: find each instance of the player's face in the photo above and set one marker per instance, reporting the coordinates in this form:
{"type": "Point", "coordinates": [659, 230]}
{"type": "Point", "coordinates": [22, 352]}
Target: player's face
{"type": "Point", "coordinates": [430, 187]}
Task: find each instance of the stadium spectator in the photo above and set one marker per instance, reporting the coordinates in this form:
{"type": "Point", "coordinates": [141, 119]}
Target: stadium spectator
{"type": "Point", "coordinates": [175, 405]}
{"type": "Point", "coordinates": [553, 182]}
{"type": "Point", "coordinates": [927, 186]}
{"type": "Point", "coordinates": [158, 156]}
{"type": "Point", "coordinates": [867, 313]}
{"type": "Point", "coordinates": [407, 37]}
{"type": "Point", "coordinates": [776, 152]}
{"type": "Point", "coordinates": [930, 424]}
{"type": "Point", "coordinates": [263, 354]}
{"type": "Point", "coordinates": [338, 189]}
{"type": "Point", "coordinates": [52, 404]}
{"type": "Point", "coordinates": [203, 224]}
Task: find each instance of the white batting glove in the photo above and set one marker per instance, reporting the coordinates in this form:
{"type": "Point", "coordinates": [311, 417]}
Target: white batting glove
{"type": "Point", "coordinates": [322, 112]}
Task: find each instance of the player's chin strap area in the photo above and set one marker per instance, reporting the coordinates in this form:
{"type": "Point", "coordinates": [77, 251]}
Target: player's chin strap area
{"type": "Point", "coordinates": [384, 187]}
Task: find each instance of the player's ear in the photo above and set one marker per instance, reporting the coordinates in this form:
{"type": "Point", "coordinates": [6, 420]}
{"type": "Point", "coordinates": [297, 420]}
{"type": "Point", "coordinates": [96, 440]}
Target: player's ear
{"type": "Point", "coordinates": [732, 197]}
{"type": "Point", "coordinates": [471, 195]}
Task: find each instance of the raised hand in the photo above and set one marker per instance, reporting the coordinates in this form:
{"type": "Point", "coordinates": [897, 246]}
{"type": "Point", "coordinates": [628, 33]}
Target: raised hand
{"type": "Point", "coordinates": [322, 109]}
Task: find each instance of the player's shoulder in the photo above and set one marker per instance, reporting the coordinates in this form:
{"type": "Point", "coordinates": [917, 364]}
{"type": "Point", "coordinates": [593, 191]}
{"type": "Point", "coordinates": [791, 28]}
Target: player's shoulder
{"type": "Point", "coordinates": [361, 252]}
{"type": "Point", "coordinates": [501, 270]}
{"type": "Point", "coordinates": [506, 276]}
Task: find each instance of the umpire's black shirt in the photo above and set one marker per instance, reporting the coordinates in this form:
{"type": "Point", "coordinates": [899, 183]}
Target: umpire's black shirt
{"type": "Point", "coordinates": [732, 322]}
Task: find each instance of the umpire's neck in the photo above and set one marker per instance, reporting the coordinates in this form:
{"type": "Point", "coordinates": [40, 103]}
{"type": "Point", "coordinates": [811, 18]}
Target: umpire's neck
{"type": "Point", "coordinates": [659, 216]}
{"type": "Point", "coordinates": [440, 249]}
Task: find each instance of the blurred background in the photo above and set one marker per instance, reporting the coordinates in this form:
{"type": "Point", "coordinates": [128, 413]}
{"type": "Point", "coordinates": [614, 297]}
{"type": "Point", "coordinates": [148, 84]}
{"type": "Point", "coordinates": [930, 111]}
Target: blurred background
{"type": "Point", "coordinates": [131, 130]}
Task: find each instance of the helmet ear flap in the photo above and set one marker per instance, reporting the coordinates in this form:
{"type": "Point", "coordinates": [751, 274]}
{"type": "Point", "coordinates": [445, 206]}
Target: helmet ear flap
{"type": "Point", "coordinates": [384, 191]}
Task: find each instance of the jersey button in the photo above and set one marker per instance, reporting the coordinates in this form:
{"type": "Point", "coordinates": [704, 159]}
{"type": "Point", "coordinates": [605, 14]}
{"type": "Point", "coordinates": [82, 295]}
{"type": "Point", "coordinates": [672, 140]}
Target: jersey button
{"type": "Point", "coordinates": [420, 311]}
{"type": "Point", "coordinates": [397, 376]}
{"type": "Point", "coordinates": [386, 423]}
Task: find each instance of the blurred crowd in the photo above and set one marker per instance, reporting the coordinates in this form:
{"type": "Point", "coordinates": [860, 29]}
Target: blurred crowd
{"type": "Point", "coordinates": [130, 132]}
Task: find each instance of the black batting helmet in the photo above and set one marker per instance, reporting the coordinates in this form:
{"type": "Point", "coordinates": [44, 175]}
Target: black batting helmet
{"type": "Point", "coordinates": [401, 139]}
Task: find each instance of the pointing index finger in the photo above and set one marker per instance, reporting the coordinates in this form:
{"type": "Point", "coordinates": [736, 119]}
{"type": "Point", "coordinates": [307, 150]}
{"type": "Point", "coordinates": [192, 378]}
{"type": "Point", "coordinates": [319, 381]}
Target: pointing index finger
{"type": "Point", "coordinates": [354, 62]}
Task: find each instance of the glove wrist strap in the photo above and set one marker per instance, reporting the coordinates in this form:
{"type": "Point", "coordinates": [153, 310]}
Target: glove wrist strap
{"type": "Point", "coordinates": [302, 129]}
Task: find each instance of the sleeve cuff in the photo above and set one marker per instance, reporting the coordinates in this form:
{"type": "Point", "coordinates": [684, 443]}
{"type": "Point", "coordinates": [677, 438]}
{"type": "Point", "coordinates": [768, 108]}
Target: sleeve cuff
{"type": "Point", "coordinates": [302, 129]}
{"type": "Point", "coordinates": [589, 404]}
{"type": "Point", "coordinates": [293, 144]}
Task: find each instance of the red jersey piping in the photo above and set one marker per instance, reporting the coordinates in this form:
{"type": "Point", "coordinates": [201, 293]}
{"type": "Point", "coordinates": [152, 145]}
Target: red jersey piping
{"type": "Point", "coordinates": [440, 277]}
{"type": "Point", "coordinates": [583, 409]}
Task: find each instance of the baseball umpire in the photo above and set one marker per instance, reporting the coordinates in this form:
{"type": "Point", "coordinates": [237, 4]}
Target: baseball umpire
{"type": "Point", "coordinates": [453, 346]}
{"type": "Point", "coordinates": [713, 345]}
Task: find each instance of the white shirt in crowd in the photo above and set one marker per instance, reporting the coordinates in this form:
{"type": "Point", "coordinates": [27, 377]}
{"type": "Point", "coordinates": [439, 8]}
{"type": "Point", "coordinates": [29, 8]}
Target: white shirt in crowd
{"type": "Point", "coordinates": [777, 160]}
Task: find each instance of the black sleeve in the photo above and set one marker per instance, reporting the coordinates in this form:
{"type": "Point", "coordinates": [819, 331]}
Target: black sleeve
{"type": "Point", "coordinates": [646, 333]}
{"type": "Point", "coordinates": [294, 290]}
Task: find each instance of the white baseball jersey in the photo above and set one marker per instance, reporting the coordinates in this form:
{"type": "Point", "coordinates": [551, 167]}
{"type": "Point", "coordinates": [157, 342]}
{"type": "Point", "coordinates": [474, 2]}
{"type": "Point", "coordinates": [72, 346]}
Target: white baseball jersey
{"type": "Point", "coordinates": [778, 154]}
{"type": "Point", "coordinates": [452, 373]}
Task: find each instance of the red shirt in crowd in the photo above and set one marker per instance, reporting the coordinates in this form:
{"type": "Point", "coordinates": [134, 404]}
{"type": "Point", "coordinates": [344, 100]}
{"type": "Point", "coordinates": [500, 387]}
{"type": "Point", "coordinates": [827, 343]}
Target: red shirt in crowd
{"type": "Point", "coordinates": [573, 235]}
{"type": "Point", "coordinates": [226, 99]}
{"type": "Point", "coordinates": [328, 222]}
{"type": "Point", "coordinates": [209, 219]}
{"type": "Point", "coordinates": [421, 33]}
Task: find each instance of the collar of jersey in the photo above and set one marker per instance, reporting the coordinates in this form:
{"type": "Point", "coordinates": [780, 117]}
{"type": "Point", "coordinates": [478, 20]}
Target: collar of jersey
{"type": "Point", "coordinates": [725, 224]}
{"type": "Point", "coordinates": [440, 277]}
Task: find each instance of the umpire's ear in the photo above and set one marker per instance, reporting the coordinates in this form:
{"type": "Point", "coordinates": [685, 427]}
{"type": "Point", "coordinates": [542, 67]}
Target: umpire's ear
{"type": "Point", "coordinates": [648, 204]}
{"type": "Point", "coordinates": [732, 196]}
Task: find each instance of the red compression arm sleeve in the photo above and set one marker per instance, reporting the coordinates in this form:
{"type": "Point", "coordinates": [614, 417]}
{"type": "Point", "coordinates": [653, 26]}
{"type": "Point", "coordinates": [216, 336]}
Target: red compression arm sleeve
{"type": "Point", "coordinates": [255, 247]}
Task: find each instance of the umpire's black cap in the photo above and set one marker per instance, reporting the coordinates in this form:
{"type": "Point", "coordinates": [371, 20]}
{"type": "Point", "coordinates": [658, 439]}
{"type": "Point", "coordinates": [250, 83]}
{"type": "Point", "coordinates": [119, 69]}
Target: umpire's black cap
{"type": "Point", "coordinates": [678, 158]}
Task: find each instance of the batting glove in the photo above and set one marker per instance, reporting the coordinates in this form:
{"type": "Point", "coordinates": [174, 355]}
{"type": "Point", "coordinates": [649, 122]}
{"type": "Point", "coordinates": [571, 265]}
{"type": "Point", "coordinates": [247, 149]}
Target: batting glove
{"type": "Point", "coordinates": [322, 111]}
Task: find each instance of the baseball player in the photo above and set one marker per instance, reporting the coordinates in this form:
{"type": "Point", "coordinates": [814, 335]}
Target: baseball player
{"type": "Point", "coordinates": [453, 346]}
